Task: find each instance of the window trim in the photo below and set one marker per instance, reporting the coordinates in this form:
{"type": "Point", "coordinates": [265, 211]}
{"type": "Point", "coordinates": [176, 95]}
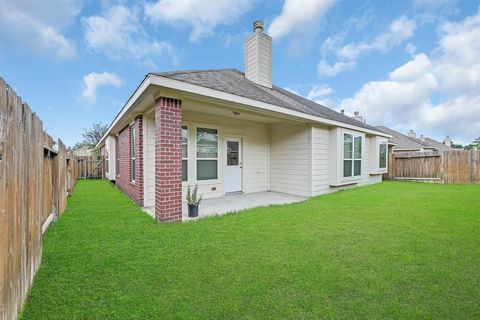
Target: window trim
{"type": "Point", "coordinates": [380, 144]}
{"type": "Point", "coordinates": [107, 159]}
{"type": "Point", "coordinates": [133, 153]}
{"type": "Point", "coordinates": [196, 159]}
{"type": "Point", "coordinates": [353, 158]}
{"type": "Point", "coordinates": [188, 152]}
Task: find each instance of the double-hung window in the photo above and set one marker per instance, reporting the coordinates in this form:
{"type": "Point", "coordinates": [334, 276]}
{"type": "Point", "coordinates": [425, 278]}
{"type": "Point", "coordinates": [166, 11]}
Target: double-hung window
{"type": "Point", "coordinates": [133, 146]}
{"type": "Point", "coordinates": [207, 154]}
{"type": "Point", "coordinates": [352, 155]}
{"type": "Point", "coordinates": [107, 156]}
{"type": "Point", "coordinates": [382, 155]}
{"type": "Point", "coordinates": [184, 153]}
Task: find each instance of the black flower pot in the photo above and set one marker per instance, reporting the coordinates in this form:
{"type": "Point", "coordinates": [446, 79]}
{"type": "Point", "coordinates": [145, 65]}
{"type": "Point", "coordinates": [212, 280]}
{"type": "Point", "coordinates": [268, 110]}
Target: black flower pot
{"type": "Point", "coordinates": [192, 211]}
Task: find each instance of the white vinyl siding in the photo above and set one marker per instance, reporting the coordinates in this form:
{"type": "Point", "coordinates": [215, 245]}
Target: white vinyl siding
{"type": "Point", "coordinates": [258, 61]}
{"type": "Point", "coordinates": [256, 151]}
{"type": "Point", "coordinates": [290, 166]}
{"type": "Point", "coordinates": [320, 159]}
{"type": "Point", "coordinates": [149, 158]}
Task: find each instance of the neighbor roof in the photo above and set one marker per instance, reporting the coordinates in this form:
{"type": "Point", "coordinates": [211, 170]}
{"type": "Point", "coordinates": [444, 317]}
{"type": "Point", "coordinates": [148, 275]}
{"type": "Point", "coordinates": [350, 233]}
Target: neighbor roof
{"type": "Point", "coordinates": [436, 144]}
{"type": "Point", "coordinates": [234, 82]}
{"type": "Point", "coordinates": [406, 143]}
{"type": "Point", "coordinates": [402, 141]}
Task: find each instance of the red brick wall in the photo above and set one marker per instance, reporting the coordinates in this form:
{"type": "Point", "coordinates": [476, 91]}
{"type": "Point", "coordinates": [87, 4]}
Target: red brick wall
{"type": "Point", "coordinates": [134, 190]}
{"type": "Point", "coordinates": [168, 159]}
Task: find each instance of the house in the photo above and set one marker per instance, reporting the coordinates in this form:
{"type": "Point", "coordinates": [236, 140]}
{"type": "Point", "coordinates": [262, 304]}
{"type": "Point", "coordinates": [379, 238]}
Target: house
{"type": "Point", "coordinates": [410, 142]}
{"type": "Point", "coordinates": [84, 151]}
{"type": "Point", "coordinates": [229, 132]}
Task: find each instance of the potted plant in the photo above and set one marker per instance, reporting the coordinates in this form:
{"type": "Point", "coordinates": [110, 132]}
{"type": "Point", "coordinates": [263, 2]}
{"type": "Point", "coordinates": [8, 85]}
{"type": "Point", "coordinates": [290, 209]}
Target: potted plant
{"type": "Point", "coordinates": [193, 200]}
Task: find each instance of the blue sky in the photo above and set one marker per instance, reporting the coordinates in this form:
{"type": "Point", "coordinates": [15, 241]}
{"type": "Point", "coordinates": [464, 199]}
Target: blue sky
{"type": "Point", "coordinates": [401, 64]}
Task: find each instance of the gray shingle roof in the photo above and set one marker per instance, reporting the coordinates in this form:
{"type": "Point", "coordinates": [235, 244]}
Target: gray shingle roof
{"type": "Point", "coordinates": [438, 145]}
{"type": "Point", "coordinates": [404, 142]}
{"type": "Point", "coordinates": [233, 81]}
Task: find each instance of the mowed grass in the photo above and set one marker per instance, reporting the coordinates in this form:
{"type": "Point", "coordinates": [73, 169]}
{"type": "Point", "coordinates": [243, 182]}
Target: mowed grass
{"type": "Point", "coordinates": [392, 250]}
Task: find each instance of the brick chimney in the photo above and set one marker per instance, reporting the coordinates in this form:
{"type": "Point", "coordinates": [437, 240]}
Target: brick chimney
{"type": "Point", "coordinates": [258, 56]}
{"type": "Point", "coordinates": [412, 134]}
{"type": "Point", "coordinates": [447, 141]}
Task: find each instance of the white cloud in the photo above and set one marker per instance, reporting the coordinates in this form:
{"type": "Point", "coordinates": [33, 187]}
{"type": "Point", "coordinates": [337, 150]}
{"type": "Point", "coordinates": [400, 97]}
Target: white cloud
{"type": "Point", "coordinates": [94, 80]}
{"type": "Point", "coordinates": [298, 15]}
{"type": "Point", "coordinates": [402, 96]}
{"type": "Point", "coordinates": [321, 95]}
{"type": "Point", "coordinates": [438, 94]}
{"type": "Point", "coordinates": [119, 34]}
{"type": "Point", "coordinates": [201, 15]}
{"type": "Point", "coordinates": [432, 4]}
{"type": "Point", "coordinates": [410, 48]}
{"type": "Point", "coordinates": [39, 25]}
{"type": "Point", "coordinates": [346, 57]}
{"type": "Point", "coordinates": [458, 64]}
{"type": "Point", "coordinates": [330, 70]}
{"type": "Point", "coordinates": [292, 90]}
{"type": "Point", "coordinates": [319, 91]}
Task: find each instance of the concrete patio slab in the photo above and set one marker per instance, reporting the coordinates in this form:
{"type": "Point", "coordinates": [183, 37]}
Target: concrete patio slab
{"type": "Point", "coordinates": [236, 202]}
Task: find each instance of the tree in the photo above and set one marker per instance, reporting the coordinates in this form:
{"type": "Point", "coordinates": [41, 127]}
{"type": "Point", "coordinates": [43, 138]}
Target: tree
{"type": "Point", "coordinates": [91, 136]}
{"type": "Point", "coordinates": [456, 146]}
{"type": "Point", "coordinates": [474, 145]}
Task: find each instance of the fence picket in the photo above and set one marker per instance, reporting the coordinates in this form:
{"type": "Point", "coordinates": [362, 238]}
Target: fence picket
{"type": "Point", "coordinates": [451, 166]}
{"type": "Point", "coordinates": [29, 194]}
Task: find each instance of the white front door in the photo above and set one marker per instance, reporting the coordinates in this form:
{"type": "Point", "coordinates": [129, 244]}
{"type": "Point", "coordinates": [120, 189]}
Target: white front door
{"type": "Point", "coordinates": [233, 166]}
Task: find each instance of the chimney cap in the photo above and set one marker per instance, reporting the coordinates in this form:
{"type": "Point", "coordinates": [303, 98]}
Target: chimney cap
{"type": "Point", "coordinates": [258, 25]}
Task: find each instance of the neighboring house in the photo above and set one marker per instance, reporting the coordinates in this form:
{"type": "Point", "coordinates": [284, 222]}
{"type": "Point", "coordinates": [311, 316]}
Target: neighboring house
{"type": "Point", "coordinates": [228, 132]}
{"type": "Point", "coordinates": [84, 151]}
{"type": "Point", "coordinates": [410, 142]}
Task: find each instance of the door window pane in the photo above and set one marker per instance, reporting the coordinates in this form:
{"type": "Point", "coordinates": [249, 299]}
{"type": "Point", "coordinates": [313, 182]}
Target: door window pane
{"type": "Point", "coordinates": [232, 153]}
{"type": "Point", "coordinates": [207, 143]}
{"type": "Point", "coordinates": [207, 169]}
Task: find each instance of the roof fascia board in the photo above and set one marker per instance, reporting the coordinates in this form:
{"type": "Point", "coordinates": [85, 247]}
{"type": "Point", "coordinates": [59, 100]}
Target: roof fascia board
{"type": "Point", "coordinates": [188, 87]}
{"type": "Point", "coordinates": [133, 98]}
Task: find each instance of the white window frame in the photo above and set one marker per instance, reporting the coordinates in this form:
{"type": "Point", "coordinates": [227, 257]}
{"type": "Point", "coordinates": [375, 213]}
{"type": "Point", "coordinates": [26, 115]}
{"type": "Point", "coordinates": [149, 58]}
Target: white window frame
{"type": "Point", "coordinates": [207, 181]}
{"type": "Point", "coordinates": [382, 143]}
{"type": "Point", "coordinates": [374, 160]}
{"type": "Point", "coordinates": [107, 159]}
{"type": "Point", "coordinates": [133, 154]}
{"type": "Point", "coordinates": [188, 152]}
{"type": "Point", "coordinates": [353, 158]}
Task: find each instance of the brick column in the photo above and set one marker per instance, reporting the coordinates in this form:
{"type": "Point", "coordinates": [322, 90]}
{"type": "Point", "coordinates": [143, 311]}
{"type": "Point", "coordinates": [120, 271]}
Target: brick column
{"type": "Point", "coordinates": [168, 159]}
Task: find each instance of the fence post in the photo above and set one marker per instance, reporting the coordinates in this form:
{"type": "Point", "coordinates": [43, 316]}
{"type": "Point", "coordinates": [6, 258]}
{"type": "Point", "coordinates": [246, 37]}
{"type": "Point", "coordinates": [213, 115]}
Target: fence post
{"type": "Point", "coordinates": [442, 166]}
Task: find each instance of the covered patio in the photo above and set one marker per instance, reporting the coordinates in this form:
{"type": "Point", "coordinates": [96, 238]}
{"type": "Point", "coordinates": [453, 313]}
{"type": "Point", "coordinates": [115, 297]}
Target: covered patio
{"type": "Point", "coordinates": [235, 202]}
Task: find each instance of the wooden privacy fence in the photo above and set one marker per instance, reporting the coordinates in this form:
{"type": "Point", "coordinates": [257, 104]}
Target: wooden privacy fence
{"type": "Point", "coordinates": [90, 167]}
{"type": "Point", "coordinates": [36, 176]}
{"type": "Point", "coordinates": [453, 166]}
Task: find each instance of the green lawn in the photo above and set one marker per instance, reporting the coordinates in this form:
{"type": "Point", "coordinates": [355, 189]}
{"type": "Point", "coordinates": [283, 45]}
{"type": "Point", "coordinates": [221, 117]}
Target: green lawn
{"type": "Point", "coordinates": [392, 250]}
